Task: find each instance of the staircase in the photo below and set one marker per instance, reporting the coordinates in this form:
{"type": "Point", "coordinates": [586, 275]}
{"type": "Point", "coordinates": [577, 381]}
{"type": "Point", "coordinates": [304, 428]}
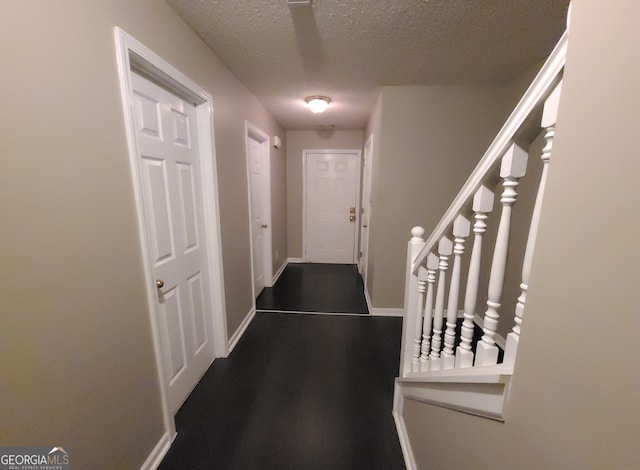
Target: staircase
{"type": "Point", "coordinates": [474, 268]}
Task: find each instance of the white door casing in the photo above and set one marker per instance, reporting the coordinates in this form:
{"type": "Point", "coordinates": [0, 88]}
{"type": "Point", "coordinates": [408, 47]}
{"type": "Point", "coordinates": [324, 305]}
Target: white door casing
{"type": "Point", "coordinates": [185, 219]}
{"type": "Point", "coordinates": [331, 210]}
{"type": "Point", "coordinates": [259, 187]}
{"type": "Point", "coordinates": [365, 221]}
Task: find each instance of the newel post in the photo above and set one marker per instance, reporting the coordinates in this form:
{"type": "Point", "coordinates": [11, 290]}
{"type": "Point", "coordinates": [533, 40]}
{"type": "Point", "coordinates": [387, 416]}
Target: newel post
{"type": "Point", "coordinates": [513, 167]}
{"type": "Point", "coordinates": [411, 298]}
{"type": "Point", "coordinates": [548, 122]}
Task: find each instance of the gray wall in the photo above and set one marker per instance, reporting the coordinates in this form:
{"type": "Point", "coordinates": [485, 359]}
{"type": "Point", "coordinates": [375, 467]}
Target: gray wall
{"type": "Point", "coordinates": [430, 139]}
{"type": "Point", "coordinates": [77, 365]}
{"type": "Point", "coordinates": [574, 396]}
{"type": "Point", "coordinates": [297, 141]}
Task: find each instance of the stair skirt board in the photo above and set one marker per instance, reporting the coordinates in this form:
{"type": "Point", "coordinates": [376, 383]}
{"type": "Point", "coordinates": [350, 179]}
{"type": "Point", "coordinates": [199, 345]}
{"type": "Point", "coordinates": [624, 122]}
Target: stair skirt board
{"type": "Point", "coordinates": [401, 429]}
{"type": "Point", "coordinates": [485, 400]}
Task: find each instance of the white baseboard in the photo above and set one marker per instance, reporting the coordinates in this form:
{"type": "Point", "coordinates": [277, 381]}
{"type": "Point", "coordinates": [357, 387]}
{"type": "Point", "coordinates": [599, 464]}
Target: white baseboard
{"type": "Point", "coordinates": [386, 312]}
{"type": "Point", "coordinates": [367, 299]}
{"type": "Point", "coordinates": [157, 454]}
{"type": "Point", "coordinates": [277, 275]}
{"type": "Point", "coordinates": [500, 341]}
{"type": "Point", "coordinates": [381, 312]}
{"type": "Point", "coordinates": [295, 260]}
{"type": "Point", "coordinates": [240, 331]}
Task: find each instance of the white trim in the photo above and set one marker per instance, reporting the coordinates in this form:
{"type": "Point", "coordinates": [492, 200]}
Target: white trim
{"type": "Point", "coordinates": [387, 312]}
{"type": "Point", "coordinates": [367, 298]}
{"type": "Point", "coordinates": [484, 374]}
{"type": "Point", "coordinates": [279, 273]}
{"type": "Point", "coordinates": [499, 339]}
{"type": "Point", "coordinates": [480, 391]}
{"type": "Point", "coordinates": [294, 260]}
{"type": "Point", "coordinates": [356, 234]}
{"type": "Point", "coordinates": [401, 429]}
{"type": "Point", "coordinates": [252, 131]}
{"type": "Point", "coordinates": [154, 459]}
{"type": "Point", "coordinates": [365, 254]}
{"type": "Point", "coordinates": [233, 341]}
{"type": "Point", "coordinates": [130, 53]}
{"type": "Point", "coordinates": [381, 312]}
{"type": "Point", "coordinates": [300, 312]}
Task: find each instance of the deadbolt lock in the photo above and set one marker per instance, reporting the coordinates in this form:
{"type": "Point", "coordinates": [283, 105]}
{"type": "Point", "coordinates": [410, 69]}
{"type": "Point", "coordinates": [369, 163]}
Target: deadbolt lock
{"type": "Point", "coordinates": [352, 210]}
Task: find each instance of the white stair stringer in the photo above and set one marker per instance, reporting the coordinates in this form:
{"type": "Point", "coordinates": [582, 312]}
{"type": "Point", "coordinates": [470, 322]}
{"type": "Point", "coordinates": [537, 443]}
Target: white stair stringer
{"type": "Point", "coordinates": [480, 391]}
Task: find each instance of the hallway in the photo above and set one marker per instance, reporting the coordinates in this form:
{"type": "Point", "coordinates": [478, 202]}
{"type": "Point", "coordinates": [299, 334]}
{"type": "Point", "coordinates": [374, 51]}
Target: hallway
{"type": "Point", "coordinates": [300, 391]}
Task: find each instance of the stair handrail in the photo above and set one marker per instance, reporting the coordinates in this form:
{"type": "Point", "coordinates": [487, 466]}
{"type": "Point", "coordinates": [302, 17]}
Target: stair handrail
{"type": "Point", "coordinates": [541, 87]}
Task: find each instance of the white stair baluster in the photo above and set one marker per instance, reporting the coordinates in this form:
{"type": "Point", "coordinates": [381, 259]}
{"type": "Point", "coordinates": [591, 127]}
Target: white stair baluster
{"type": "Point", "coordinates": [445, 247]}
{"type": "Point", "coordinates": [482, 205]}
{"type": "Point", "coordinates": [422, 281]}
{"type": "Point", "coordinates": [432, 266]}
{"type": "Point", "coordinates": [513, 167]}
{"type": "Point", "coordinates": [548, 123]}
{"type": "Point", "coordinates": [416, 243]}
{"type": "Point", "coordinates": [461, 227]}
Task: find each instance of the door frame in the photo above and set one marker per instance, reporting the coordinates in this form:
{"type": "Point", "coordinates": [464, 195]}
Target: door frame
{"type": "Point", "coordinates": [254, 132]}
{"type": "Point", "coordinates": [133, 55]}
{"type": "Point", "coordinates": [356, 235]}
{"type": "Point", "coordinates": [366, 194]}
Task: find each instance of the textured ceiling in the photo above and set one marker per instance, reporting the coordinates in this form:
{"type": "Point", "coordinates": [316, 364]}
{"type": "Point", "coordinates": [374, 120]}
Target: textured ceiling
{"type": "Point", "coordinates": [347, 49]}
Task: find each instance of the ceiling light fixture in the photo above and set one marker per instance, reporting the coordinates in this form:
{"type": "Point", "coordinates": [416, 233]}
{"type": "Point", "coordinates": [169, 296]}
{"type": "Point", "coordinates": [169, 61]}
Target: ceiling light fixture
{"type": "Point", "coordinates": [318, 104]}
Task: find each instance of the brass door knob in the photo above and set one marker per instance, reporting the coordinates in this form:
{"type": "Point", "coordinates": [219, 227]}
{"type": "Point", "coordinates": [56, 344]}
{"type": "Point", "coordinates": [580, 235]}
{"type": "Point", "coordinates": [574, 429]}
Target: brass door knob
{"type": "Point", "coordinates": [352, 218]}
{"type": "Point", "coordinates": [264, 225]}
{"type": "Point", "coordinates": [159, 283]}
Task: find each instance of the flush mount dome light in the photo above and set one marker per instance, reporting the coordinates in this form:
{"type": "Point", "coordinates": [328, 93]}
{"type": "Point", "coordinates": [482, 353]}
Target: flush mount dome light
{"type": "Point", "coordinates": [318, 104]}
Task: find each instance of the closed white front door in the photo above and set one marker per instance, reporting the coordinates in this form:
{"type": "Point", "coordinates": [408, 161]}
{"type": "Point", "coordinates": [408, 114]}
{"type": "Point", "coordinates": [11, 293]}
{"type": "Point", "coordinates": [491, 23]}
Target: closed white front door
{"type": "Point", "coordinates": [259, 225]}
{"type": "Point", "coordinates": [365, 220]}
{"type": "Point", "coordinates": [331, 206]}
{"type": "Point", "coordinates": [170, 181]}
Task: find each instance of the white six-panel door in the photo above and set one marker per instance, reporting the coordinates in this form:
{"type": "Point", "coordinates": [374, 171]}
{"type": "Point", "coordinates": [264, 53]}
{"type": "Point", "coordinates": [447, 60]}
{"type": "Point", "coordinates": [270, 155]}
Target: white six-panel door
{"type": "Point", "coordinates": [169, 170]}
{"type": "Point", "coordinates": [331, 206]}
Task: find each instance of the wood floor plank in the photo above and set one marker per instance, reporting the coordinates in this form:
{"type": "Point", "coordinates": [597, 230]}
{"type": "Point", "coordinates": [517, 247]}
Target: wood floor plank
{"type": "Point", "coordinates": [298, 392]}
{"type": "Point", "coordinates": [312, 287]}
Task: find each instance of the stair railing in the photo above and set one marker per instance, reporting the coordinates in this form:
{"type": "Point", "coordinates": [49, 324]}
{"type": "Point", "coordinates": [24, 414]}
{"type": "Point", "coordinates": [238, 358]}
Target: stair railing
{"type": "Point", "coordinates": [431, 342]}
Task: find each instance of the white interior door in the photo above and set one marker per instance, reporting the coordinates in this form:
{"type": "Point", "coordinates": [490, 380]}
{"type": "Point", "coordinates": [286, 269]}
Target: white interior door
{"type": "Point", "coordinates": [365, 221]}
{"type": "Point", "coordinates": [331, 205]}
{"type": "Point", "coordinates": [169, 172]}
{"type": "Point", "coordinates": [258, 220]}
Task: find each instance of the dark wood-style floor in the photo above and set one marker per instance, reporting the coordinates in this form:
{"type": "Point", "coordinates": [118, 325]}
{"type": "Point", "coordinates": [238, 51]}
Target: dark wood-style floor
{"type": "Point", "coordinates": [300, 391]}
{"type": "Point", "coordinates": [309, 287]}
